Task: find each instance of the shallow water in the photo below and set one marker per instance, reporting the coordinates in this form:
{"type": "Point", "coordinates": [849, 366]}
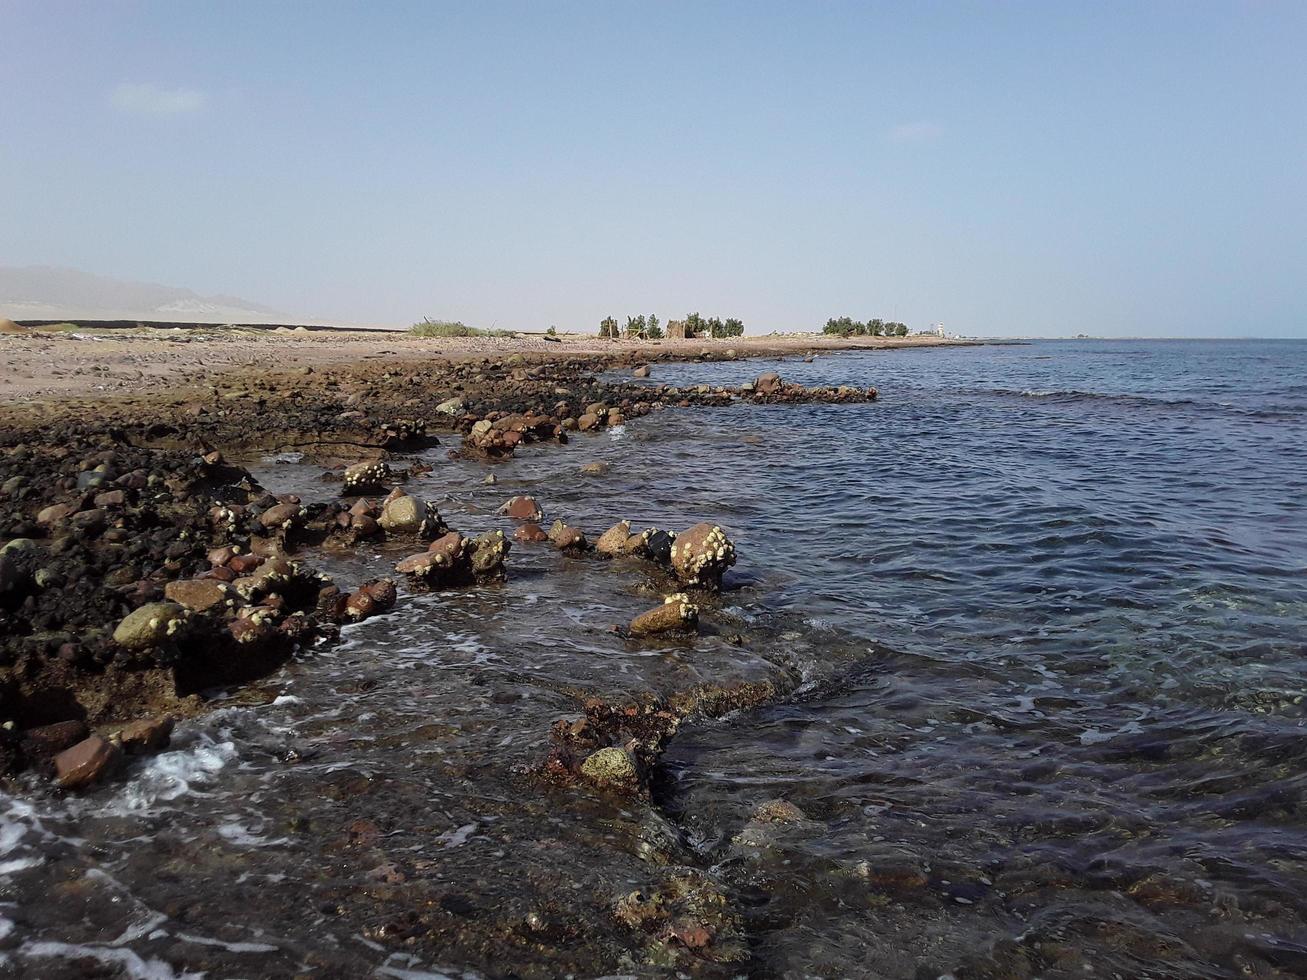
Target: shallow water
{"type": "Point", "coordinates": [1042, 609]}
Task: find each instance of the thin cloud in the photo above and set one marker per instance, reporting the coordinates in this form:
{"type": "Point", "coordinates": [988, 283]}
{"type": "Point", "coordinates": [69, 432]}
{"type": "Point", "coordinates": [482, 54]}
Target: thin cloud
{"type": "Point", "coordinates": [151, 100]}
{"type": "Point", "coordinates": [921, 131]}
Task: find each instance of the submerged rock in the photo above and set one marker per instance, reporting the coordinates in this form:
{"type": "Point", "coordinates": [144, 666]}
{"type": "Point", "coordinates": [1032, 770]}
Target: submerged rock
{"type": "Point", "coordinates": [530, 533]}
{"type": "Point", "coordinates": [567, 538]}
{"type": "Point", "coordinates": [523, 508]}
{"type": "Point", "coordinates": [611, 766]}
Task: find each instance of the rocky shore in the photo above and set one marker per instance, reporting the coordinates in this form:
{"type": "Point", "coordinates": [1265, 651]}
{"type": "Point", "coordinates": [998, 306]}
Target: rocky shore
{"type": "Point", "coordinates": [140, 567]}
{"type": "Point", "coordinates": [143, 567]}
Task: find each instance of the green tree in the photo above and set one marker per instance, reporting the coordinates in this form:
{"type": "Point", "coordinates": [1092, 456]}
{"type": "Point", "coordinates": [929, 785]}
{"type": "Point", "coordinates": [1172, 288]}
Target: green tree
{"type": "Point", "coordinates": [694, 325]}
{"type": "Point", "coordinates": [608, 327]}
{"type": "Point", "coordinates": [734, 327]}
{"type": "Point", "coordinates": [651, 328]}
{"type": "Point", "coordinates": [876, 327]}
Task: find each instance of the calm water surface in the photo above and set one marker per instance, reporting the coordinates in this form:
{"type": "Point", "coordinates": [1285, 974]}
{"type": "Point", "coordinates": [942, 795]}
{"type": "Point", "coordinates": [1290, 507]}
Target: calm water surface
{"type": "Point", "coordinates": [1044, 612]}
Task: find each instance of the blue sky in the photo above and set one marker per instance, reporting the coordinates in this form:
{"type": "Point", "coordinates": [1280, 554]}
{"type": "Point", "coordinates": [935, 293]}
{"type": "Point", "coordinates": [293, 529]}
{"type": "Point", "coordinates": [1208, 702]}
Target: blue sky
{"type": "Point", "coordinates": [1005, 168]}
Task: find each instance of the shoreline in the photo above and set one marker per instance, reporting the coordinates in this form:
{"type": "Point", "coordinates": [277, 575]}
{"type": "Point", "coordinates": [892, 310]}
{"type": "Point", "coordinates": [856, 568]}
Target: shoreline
{"type": "Point", "coordinates": [47, 367]}
{"type": "Point", "coordinates": [114, 503]}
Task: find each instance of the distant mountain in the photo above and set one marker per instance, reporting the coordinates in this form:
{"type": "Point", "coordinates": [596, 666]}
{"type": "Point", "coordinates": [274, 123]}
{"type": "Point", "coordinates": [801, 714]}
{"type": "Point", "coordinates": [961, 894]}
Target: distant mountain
{"type": "Point", "coordinates": [43, 293]}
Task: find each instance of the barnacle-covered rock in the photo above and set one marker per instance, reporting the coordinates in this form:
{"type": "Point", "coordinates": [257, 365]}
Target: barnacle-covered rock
{"type": "Point", "coordinates": [677, 613]}
{"type": "Point", "coordinates": [153, 625]}
{"type": "Point", "coordinates": [407, 515]}
{"type": "Point", "coordinates": [701, 555]}
{"type": "Point", "coordinates": [365, 477]}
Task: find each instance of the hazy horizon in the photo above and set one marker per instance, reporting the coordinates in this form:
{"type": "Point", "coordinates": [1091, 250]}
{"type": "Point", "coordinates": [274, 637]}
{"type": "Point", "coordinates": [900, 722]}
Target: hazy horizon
{"type": "Point", "coordinates": [1015, 169]}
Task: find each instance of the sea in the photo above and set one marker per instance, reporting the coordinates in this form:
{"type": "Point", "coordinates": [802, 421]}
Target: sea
{"type": "Point", "coordinates": [1038, 621]}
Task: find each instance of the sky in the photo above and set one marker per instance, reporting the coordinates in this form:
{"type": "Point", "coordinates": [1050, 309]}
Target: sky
{"type": "Point", "coordinates": [1005, 168]}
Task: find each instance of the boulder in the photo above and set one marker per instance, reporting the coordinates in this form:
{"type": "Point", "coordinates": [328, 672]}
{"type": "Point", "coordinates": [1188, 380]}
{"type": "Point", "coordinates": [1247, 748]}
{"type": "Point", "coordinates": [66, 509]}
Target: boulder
{"type": "Point", "coordinates": [86, 762]}
{"type": "Point", "coordinates": [523, 508]}
{"type": "Point", "coordinates": [701, 555]}
{"type": "Point", "coordinates": [284, 516]}
{"type": "Point", "coordinates": [641, 372]}
{"type": "Point", "coordinates": [676, 614]}
{"type": "Point", "coordinates": [146, 735]}
{"type": "Point", "coordinates": [199, 595]}
{"type": "Point", "coordinates": [768, 383]}
{"type": "Point", "coordinates": [153, 625]}
{"type": "Point", "coordinates": [613, 541]}
{"type": "Point", "coordinates": [365, 477]}
{"type": "Point", "coordinates": [530, 533]}
{"type": "Point", "coordinates": [566, 538]}
{"type": "Point", "coordinates": [488, 554]}
{"type": "Point", "coordinates": [407, 515]}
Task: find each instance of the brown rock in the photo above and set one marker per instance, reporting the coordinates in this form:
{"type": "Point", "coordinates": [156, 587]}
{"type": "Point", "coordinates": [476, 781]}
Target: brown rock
{"type": "Point", "coordinates": [146, 735]}
{"type": "Point", "coordinates": [768, 383]}
{"type": "Point", "coordinates": [198, 595]}
{"type": "Point", "coordinates": [613, 541]}
{"type": "Point", "coordinates": [587, 422]}
{"type": "Point", "coordinates": [701, 555]}
{"type": "Point", "coordinates": [676, 614]}
{"type": "Point", "coordinates": [86, 762]}
{"type": "Point", "coordinates": [523, 508]}
{"type": "Point", "coordinates": [641, 372]}
{"type": "Point", "coordinates": [566, 538]}
{"type": "Point", "coordinates": [595, 469]}
{"type": "Point", "coordinates": [530, 533]}
{"type": "Point", "coordinates": [48, 741]}
{"type": "Point", "coordinates": [280, 515]}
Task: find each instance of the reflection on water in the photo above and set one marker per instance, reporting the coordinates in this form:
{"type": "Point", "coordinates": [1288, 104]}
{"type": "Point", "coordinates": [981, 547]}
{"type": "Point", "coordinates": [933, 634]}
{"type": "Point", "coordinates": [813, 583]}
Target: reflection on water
{"type": "Point", "coordinates": [1041, 613]}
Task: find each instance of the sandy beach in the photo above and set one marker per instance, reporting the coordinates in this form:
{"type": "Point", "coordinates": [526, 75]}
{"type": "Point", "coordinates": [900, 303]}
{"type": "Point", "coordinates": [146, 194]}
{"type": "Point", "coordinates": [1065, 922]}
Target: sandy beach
{"type": "Point", "coordinates": [54, 365]}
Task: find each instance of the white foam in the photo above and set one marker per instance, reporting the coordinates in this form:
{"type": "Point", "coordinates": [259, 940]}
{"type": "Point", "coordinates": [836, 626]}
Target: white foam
{"type": "Point", "coordinates": [169, 775]}
{"type": "Point", "coordinates": [130, 963]}
{"type": "Point", "coordinates": [230, 947]}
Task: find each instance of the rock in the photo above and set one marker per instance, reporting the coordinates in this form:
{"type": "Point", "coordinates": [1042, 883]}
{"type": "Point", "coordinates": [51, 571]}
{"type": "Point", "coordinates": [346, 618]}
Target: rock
{"type": "Point", "coordinates": [522, 508]}
{"type": "Point", "coordinates": [371, 598]}
{"type": "Point", "coordinates": [55, 513]}
{"type": "Point", "coordinates": [587, 422]}
{"type": "Point", "coordinates": [611, 767]}
{"type": "Point", "coordinates": [199, 595]}
{"type": "Point", "coordinates": [153, 625]}
{"type": "Point", "coordinates": [365, 477]}
{"type": "Point", "coordinates": [8, 326]}
{"type": "Point", "coordinates": [11, 576]}
{"type": "Point", "coordinates": [641, 372]}
{"type": "Point", "coordinates": [768, 383]}
{"type": "Point", "coordinates": [111, 498]}
{"type": "Point", "coordinates": [595, 469]}
{"type": "Point", "coordinates": [613, 541]}
{"type": "Point", "coordinates": [566, 538]}
{"type": "Point", "coordinates": [676, 613]}
{"type": "Point", "coordinates": [86, 762]}
{"type": "Point", "coordinates": [450, 406]}
{"type": "Point", "coordinates": [530, 533]}
{"type": "Point", "coordinates": [488, 554]}
{"type": "Point", "coordinates": [778, 811]}
{"type": "Point", "coordinates": [403, 514]}
{"type": "Point", "coordinates": [48, 741]}
{"type": "Point", "coordinates": [701, 555]}
{"type": "Point", "coordinates": [146, 735]}
{"type": "Point", "coordinates": [284, 516]}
